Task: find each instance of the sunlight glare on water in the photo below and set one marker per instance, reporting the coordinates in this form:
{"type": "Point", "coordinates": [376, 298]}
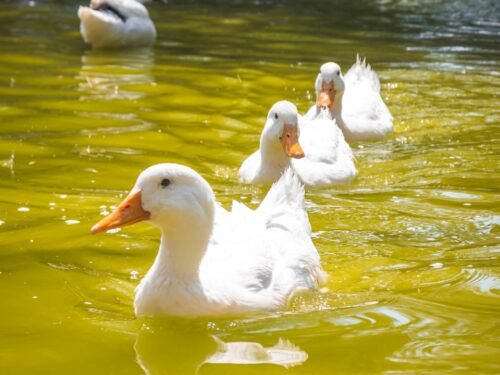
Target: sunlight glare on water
{"type": "Point", "coordinates": [411, 246]}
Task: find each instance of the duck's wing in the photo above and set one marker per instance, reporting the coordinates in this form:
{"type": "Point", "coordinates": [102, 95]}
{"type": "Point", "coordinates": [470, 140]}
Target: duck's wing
{"type": "Point", "coordinates": [243, 225]}
{"type": "Point", "coordinates": [238, 264]}
{"type": "Point", "coordinates": [320, 138]}
{"type": "Point", "coordinates": [328, 158]}
{"type": "Point", "coordinates": [297, 264]}
{"type": "Point", "coordinates": [264, 255]}
{"type": "Point", "coordinates": [364, 112]}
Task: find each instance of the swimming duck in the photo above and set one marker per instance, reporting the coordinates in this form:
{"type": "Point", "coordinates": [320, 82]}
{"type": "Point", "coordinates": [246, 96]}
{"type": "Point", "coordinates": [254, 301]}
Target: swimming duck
{"type": "Point", "coordinates": [116, 23]}
{"type": "Point", "coordinates": [214, 262]}
{"type": "Point", "coordinates": [279, 141]}
{"type": "Point", "coordinates": [354, 101]}
{"type": "Point", "coordinates": [316, 151]}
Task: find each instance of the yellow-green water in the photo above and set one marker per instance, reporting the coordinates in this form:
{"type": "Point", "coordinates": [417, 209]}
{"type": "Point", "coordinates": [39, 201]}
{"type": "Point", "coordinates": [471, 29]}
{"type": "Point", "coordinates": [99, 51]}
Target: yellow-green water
{"type": "Point", "coordinates": [411, 247]}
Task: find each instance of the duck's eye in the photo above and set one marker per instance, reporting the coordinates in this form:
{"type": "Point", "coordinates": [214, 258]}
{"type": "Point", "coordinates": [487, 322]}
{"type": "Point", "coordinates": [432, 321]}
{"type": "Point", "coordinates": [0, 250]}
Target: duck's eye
{"type": "Point", "coordinates": [276, 116]}
{"type": "Point", "coordinates": [165, 182]}
{"type": "Point", "coordinates": [338, 72]}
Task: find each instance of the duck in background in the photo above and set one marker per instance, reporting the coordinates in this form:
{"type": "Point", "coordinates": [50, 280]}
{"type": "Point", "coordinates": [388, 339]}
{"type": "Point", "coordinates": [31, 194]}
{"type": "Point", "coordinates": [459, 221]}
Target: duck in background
{"type": "Point", "coordinates": [316, 151]}
{"type": "Point", "coordinates": [215, 262]}
{"type": "Point", "coordinates": [279, 141]}
{"type": "Point", "coordinates": [354, 101]}
{"type": "Point", "coordinates": [116, 24]}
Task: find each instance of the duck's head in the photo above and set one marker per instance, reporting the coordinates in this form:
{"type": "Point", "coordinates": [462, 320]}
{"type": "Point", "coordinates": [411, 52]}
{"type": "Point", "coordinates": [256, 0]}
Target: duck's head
{"type": "Point", "coordinates": [167, 195]}
{"type": "Point", "coordinates": [282, 128]}
{"type": "Point", "coordinates": [329, 84]}
{"type": "Point", "coordinates": [113, 11]}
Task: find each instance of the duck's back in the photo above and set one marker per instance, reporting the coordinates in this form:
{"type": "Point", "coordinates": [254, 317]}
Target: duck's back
{"type": "Point", "coordinates": [101, 30]}
{"type": "Point", "coordinates": [261, 257]}
{"type": "Point", "coordinates": [328, 158]}
{"type": "Point", "coordinates": [364, 113]}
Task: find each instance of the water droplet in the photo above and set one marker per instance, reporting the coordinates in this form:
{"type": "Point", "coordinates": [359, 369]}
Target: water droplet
{"type": "Point", "coordinates": [23, 209]}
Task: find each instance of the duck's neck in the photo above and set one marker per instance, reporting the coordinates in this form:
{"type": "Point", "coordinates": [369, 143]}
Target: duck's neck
{"type": "Point", "coordinates": [272, 153]}
{"type": "Point", "coordinates": [336, 108]}
{"type": "Point", "coordinates": [183, 245]}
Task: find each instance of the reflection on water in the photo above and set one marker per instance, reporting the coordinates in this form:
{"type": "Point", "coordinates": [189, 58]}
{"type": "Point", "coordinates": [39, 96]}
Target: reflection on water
{"type": "Point", "coordinates": [153, 338]}
{"type": "Point", "coordinates": [284, 353]}
{"type": "Point", "coordinates": [408, 332]}
{"type": "Point", "coordinates": [113, 75]}
{"type": "Point", "coordinates": [411, 247]}
{"type": "Point", "coordinates": [167, 349]}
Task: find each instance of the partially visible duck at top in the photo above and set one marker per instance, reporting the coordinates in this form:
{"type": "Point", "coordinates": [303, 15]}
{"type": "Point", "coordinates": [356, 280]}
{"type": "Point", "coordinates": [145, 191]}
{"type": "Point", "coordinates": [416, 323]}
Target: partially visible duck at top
{"type": "Point", "coordinates": [354, 101]}
{"type": "Point", "coordinates": [317, 152]}
{"type": "Point", "coordinates": [116, 24]}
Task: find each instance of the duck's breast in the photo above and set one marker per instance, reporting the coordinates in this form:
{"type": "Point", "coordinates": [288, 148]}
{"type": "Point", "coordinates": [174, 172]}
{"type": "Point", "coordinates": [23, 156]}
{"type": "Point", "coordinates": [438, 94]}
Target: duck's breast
{"type": "Point", "coordinates": [328, 158]}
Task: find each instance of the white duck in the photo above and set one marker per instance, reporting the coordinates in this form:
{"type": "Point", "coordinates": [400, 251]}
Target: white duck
{"type": "Point", "coordinates": [320, 155]}
{"type": "Point", "coordinates": [214, 262]}
{"type": "Point", "coordinates": [354, 101]}
{"type": "Point", "coordinates": [278, 143]}
{"type": "Point", "coordinates": [116, 23]}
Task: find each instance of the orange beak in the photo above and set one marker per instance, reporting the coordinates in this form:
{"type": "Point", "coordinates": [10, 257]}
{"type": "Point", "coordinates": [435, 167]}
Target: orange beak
{"type": "Point", "coordinates": [290, 142]}
{"type": "Point", "coordinates": [128, 212]}
{"type": "Point", "coordinates": [326, 95]}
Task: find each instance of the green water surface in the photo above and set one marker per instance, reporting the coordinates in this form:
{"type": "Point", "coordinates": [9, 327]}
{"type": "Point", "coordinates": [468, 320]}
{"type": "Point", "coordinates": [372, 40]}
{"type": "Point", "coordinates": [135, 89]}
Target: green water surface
{"type": "Point", "coordinates": [411, 247]}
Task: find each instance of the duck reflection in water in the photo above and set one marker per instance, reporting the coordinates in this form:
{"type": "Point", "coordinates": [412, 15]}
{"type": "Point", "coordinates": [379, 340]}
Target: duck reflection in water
{"type": "Point", "coordinates": [111, 75]}
{"type": "Point", "coordinates": [170, 349]}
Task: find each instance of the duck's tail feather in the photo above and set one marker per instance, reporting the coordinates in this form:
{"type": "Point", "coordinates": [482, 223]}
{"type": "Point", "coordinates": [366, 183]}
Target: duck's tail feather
{"type": "Point", "coordinates": [362, 69]}
{"type": "Point", "coordinates": [288, 190]}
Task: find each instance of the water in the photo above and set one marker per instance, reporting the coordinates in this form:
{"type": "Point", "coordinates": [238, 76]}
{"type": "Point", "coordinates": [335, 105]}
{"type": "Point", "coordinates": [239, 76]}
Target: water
{"type": "Point", "coordinates": [411, 247]}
